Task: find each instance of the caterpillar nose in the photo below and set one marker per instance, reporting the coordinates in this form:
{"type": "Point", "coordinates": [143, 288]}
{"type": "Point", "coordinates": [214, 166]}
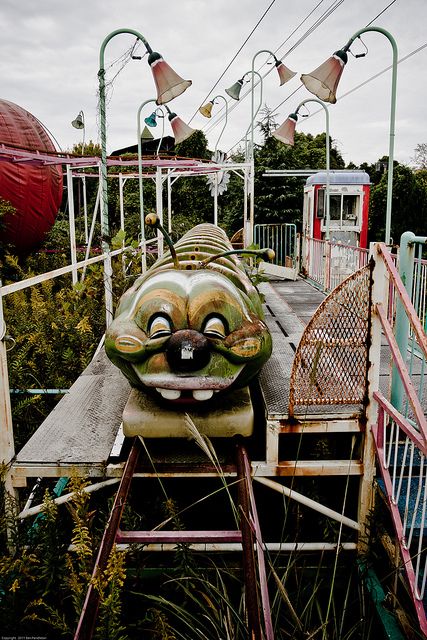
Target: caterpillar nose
{"type": "Point", "coordinates": [187, 350]}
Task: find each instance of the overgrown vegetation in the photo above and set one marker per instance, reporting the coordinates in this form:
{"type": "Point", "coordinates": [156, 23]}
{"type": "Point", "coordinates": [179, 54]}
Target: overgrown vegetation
{"type": "Point", "coordinates": [178, 595]}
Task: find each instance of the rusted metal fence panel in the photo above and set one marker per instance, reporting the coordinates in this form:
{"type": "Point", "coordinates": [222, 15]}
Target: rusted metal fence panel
{"type": "Point", "coordinates": [330, 364]}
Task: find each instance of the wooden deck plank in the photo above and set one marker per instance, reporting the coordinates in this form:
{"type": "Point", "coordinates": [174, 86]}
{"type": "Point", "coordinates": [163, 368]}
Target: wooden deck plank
{"type": "Point", "coordinates": [82, 427]}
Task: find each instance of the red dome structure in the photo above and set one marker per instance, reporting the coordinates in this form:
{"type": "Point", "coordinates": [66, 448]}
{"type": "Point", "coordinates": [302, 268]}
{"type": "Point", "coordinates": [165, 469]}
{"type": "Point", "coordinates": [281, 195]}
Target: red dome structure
{"type": "Point", "coordinates": [35, 192]}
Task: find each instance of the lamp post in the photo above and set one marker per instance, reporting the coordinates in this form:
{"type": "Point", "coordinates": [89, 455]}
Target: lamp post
{"type": "Point", "coordinates": [285, 133]}
{"type": "Point", "coordinates": [234, 92]}
{"type": "Point", "coordinates": [323, 82]}
{"type": "Point", "coordinates": [79, 123]}
{"type": "Point", "coordinates": [285, 74]}
{"type": "Point", "coordinates": [206, 110]}
{"type": "Point", "coordinates": [141, 190]}
{"type": "Point", "coordinates": [169, 85]}
{"type": "Point", "coordinates": [181, 131]}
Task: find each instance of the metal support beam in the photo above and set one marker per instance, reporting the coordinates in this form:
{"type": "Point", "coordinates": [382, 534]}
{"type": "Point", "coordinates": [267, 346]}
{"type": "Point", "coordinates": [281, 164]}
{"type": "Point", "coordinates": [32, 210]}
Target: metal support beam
{"type": "Point", "coordinates": [86, 626]}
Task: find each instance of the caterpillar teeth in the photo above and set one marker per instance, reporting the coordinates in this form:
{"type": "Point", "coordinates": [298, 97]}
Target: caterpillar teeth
{"type": "Point", "coordinates": [175, 394]}
{"type": "Point", "coordinates": [202, 394]}
{"type": "Point", "coordinates": [169, 394]}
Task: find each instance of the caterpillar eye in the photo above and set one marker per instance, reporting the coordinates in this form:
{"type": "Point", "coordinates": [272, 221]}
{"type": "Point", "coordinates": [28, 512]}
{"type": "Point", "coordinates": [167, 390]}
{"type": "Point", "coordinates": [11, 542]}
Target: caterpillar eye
{"type": "Point", "coordinates": [128, 344]}
{"type": "Point", "coordinates": [159, 327]}
{"type": "Point", "coordinates": [214, 328]}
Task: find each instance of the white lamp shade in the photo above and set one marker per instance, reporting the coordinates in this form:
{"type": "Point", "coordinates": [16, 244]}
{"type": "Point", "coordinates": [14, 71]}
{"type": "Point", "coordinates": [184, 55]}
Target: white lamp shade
{"type": "Point", "coordinates": [168, 83]}
{"type": "Point", "coordinates": [285, 133]}
{"type": "Point", "coordinates": [323, 81]}
{"type": "Point", "coordinates": [285, 74]}
{"type": "Point", "coordinates": [181, 130]}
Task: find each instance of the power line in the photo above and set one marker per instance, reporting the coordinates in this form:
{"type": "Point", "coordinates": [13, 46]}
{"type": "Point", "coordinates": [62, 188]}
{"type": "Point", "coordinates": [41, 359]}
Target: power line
{"type": "Point", "coordinates": [335, 4]}
{"type": "Point", "coordinates": [234, 57]}
{"type": "Point", "coordinates": [355, 88]}
{"type": "Point", "coordinates": [380, 13]}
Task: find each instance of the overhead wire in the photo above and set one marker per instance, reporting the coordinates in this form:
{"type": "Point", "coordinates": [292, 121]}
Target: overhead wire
{"type": "Point", "coordinates": [374, 77]}
{"type": "Point", "coordinates": [335, 4]}
{"type": "Point", "coordinates": [352, 90]}
{"type": "Point", "coordinates": [233, 59]}
{"type": "Point", "coordinates": [328, 11]}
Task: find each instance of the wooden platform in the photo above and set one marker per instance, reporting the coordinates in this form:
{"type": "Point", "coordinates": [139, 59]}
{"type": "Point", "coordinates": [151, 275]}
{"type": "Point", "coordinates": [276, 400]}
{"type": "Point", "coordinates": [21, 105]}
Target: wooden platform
{"type": "Point", "coordinates": [81, 430]}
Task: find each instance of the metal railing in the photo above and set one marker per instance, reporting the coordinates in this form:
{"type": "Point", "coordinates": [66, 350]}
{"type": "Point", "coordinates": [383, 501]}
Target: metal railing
{"type": "Point", "coordinates": [400, 438]}
{"type": "Point", "coordinates": [327, 264]}
{"type": "Point", "coordinates": [282, 238]}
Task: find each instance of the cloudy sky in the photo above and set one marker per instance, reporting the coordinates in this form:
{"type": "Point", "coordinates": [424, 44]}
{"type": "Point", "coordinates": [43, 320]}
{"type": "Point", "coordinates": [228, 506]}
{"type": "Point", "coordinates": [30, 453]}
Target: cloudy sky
{"type": "Point", "coordinates": [49, 52]}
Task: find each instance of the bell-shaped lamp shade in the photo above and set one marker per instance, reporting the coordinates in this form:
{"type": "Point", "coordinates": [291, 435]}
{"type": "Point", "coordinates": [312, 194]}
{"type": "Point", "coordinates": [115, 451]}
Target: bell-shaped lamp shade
{"type": "Point", "coordinates": [285, 133]}
{"type": "Point", "coordinates": [151, 121]}
{"type": "Point", "coordinates": [79, 122]}
{"type": "Point", "coordinates": [323, 81]}
{"type": "Point", "coordinates": [181, 131]}
{"type": "Point", "coordinates": [168, 83]}
{"type": "Point", "coordinates": [206, 109]}
{"type": "Point", "coordinates": [235, 89]}
{"type": "Point", "coordinates": [285, 74]}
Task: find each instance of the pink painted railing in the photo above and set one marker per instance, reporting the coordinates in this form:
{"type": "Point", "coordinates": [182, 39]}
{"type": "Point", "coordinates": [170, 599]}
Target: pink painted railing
{"type": "Point", "coordinates": [329, 263]}
{"type": "Point", "coordinates": [400, 439]}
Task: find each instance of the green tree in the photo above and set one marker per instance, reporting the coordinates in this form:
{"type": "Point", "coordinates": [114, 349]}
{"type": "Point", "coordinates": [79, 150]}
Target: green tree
{"type": "Point", "coordinates": [281, 199]}
{"type": "Point", "coordinates": [409, 204]}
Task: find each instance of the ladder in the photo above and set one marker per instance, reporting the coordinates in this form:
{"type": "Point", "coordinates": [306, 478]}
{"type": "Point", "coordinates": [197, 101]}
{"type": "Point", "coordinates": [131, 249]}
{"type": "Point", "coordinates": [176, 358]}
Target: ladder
{"type": "Point", "coordinates": [249, 536]}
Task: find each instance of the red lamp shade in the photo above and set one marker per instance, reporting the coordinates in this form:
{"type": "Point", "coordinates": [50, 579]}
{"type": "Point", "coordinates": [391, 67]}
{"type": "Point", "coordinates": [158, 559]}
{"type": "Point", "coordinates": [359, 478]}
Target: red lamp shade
{"type": "Point", "coordinates": [181, 131]}
{"type": "Point", "coordinates": [323, 81]}
{"type": "Point", "coordinates": [35, 191]}
{"type": "Point", "coordinates": [285, 133]}
{"type": "Point", "coordinates": [285, 74]}
{"type": "Point", "coordinates": [168, 83]}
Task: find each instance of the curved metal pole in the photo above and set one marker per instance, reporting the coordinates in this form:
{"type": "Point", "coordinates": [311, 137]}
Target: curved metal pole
{"type": "Point", "coordinates": [226, 118]}
{"type": "Point", "coordinates": [141, 189]}
{"type": "Point", "coordinates": [105, 226]}
{"type": "Point", "coordinates": [328, 164]}
{"type": "Point", "coordinates": [254, 112]}
{"type": "Point", "coordinates": [253, 115]}
{"type": "Point", "coordinates": [102, 122]}
{"type": "Point", "coordinates": [163, 129]}
{"type": "Point", "coordinates": [392, 120]}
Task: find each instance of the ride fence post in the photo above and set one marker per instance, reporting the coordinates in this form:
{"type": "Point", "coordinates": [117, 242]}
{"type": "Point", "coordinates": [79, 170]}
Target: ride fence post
{"type": "Point", "coordinates": [7, 446]}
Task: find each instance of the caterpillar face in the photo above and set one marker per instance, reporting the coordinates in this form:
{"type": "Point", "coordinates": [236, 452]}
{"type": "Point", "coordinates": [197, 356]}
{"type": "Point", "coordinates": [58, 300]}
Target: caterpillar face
{"type": "Point", "coordinates": [187, 335]}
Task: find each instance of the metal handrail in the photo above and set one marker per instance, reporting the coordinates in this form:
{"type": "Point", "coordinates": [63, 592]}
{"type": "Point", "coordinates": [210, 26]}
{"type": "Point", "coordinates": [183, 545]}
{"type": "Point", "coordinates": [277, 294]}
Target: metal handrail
{"type": "Point", "coordinates": [401, 445]}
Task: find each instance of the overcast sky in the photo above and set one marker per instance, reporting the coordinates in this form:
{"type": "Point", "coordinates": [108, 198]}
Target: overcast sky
{"type": "Point", "coordinates": [49, 51]}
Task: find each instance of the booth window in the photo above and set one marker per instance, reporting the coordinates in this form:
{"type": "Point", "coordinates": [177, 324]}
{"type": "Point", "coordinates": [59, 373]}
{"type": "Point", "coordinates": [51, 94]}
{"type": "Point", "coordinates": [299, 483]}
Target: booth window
{"type": "Point", "coordinates": [344, 209]}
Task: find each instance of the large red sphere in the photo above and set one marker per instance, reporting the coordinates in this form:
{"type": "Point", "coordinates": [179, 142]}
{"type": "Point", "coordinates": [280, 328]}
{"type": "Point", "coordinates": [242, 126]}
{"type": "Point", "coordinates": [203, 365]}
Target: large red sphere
{"type": "Point", "coordinates": [35, 192]}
